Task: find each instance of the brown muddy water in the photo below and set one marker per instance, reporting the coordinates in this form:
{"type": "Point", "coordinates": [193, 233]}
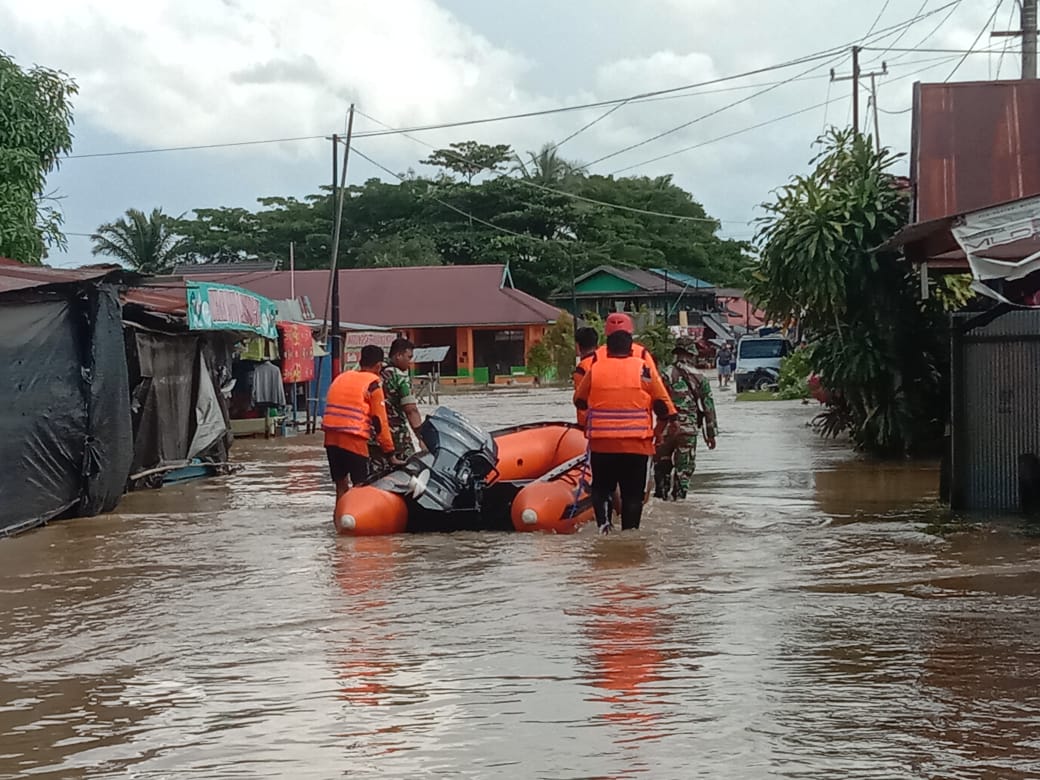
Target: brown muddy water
{"type": "Point", "coordinates": [791, 619]}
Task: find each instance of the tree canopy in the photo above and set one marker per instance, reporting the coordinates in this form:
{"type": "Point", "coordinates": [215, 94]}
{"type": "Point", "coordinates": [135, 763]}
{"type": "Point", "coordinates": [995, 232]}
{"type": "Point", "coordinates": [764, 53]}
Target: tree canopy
{"type": "Point", "coordinates": [144, 242]}
{"type": "Point", "coordinates": [879, 350]}
{"type": "Point", "coordinates": [541, 224]}
{"type": "Point", "coordinates": [35, 122]}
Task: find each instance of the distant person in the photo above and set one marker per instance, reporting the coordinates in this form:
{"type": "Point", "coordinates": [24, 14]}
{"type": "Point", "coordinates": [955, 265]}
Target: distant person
{"type": "Point", "coordinates": [724, 364]}
{"type": "Point", "coordinates": [586, 340]}
{"type": "Point", "coordinates": [355, 410]}
{"type": "Point", "coordinates": [402, 408]}
{"type": "Point", "coordinates": [621, 395]}
{"type": "Point", "coordinates": [676, 458]}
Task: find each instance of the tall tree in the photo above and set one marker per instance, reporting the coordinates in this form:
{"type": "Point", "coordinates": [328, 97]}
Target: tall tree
{"type": "Point", "coordinates": [470, 158]}
{"type": "Point", "coordinates": [35, 122]}
{"type": "Point", "coordinates": [546, 167]}
{"type": "Point", "coordinates": [879, 350]}
{"type": "Point", "coordinates": [145, 243]}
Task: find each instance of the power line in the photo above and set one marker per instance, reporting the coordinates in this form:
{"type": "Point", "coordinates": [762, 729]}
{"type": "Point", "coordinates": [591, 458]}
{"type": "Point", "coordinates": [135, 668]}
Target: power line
{"type": "Point", "coordinates": [195, 147]}
{"type": "Point", "coordinates": [934, 63]}
{"type": "Point", "coordinates": [447, 205]}
{"type": "Point", "coordinates": [1007, 40]}
{"type": "Point", "coordinates": [952, 9]}
{"type": "Point", "coordinates": [978, 37]}
{"type": "Point", "coordinates": [730, 134]}
{"type": "Point", "coordinates": [823, 54]}
{"type": "Point", "coordinates": [684, 125]}
{"type": "Point", "coordinates": [469, 122]}
{"type": "Point", "coordinates": [901, 35]}
{"type": "Point", "coordinates": [878, 18]}
{"type": "Point", "coordinates": [449, 153]}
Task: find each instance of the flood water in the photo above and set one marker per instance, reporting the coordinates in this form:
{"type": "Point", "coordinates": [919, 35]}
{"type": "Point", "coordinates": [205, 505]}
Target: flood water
{"type": "Point", "coordinates": [792, 618]}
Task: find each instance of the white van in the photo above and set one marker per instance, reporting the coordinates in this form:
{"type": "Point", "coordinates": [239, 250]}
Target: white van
{"type": "Point", "coordinates": [758, 361]}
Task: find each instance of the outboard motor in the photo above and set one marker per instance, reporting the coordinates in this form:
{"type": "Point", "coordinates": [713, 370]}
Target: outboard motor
{"type": "Point", "coordinates": [452, 474]}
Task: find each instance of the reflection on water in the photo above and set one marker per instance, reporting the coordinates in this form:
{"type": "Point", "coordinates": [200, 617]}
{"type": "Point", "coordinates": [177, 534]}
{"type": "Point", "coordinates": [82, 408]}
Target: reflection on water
{"type": "Point", "coordinates": [791, 619]}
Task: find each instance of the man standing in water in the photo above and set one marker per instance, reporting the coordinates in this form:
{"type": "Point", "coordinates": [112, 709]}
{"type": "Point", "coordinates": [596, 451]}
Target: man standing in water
{"type": "Point", "coordinates": [354, 411]}
{"type": "Point", "coordinates": [402, 409]}
{"type": "Point", "coordinates": [621, 395]}
{"type": "Point", "coordinates": [586, 340]}
{"type": "Point", "coordinates": [676, 457]}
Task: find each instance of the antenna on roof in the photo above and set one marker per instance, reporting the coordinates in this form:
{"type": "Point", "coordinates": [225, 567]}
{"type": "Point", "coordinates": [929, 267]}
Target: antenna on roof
{"type": "Point", "coordinates": [506, 276]}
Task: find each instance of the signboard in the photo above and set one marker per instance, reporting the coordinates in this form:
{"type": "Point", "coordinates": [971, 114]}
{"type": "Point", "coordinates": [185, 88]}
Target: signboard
{"type": "Point", "coordinates": [353, 341]}
{"type": "Point", "coordinates": [1001, 244]}
{"type": "Point", "coordinates": [222, 307]}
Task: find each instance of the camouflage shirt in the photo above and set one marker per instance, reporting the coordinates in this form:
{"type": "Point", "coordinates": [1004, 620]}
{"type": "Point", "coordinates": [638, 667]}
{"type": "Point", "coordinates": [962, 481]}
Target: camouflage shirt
{"type": "Point", "coordinates": [691, 394]}
{"type": "Point", "coordinates": [397, 388]}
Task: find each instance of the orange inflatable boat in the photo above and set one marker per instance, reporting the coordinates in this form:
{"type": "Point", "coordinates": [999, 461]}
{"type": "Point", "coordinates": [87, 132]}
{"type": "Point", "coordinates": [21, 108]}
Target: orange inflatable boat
{"type": "Point", "coordinates": [524, 478]}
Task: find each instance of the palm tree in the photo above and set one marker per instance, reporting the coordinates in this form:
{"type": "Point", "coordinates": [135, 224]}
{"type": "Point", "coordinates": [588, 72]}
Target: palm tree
{"type": "Point", "coordinates": [146, 243]}
{"type": "Point", "coordinates": [546, 167]}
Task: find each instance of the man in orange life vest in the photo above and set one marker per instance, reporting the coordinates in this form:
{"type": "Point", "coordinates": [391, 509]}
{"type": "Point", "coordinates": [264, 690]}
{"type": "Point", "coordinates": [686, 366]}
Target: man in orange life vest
{"type": "Point", "coordinates": [621, 392]}
{"type": "Point", "coordinates": [354, 409]}
{"type": "Point", "coordinates": [586, 340]}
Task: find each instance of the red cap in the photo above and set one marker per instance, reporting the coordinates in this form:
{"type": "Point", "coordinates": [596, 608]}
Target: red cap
{"type": "Point", "coordinates": [618, 321]}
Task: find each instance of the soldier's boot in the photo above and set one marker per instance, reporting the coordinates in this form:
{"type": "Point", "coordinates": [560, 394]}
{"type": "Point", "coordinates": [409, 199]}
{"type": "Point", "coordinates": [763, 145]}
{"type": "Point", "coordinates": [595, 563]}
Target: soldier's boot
{"type": "Point", "coordinates": [662, 478]}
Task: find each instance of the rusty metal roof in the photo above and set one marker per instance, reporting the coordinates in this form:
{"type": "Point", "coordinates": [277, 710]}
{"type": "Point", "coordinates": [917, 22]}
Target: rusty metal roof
{"type": "Point", "coordinates": [18, 276]}
{"type": "Point", "coordinates": [406, 297]}
{"type": "Point", "coordinates": [975, 144]}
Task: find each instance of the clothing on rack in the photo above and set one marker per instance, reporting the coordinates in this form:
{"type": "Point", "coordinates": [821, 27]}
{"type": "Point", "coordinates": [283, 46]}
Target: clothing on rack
{"type": "Point", "coordinates": [267, 385]}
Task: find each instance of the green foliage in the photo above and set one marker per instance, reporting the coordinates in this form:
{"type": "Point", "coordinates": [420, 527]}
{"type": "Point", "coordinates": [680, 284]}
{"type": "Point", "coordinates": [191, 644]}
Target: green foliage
{"type": "Point", "coordinates": [794, 375]}
{"type": "Point", "coordinates": [879, 350]}
{"type": "Point", "coordinates": [560, 341]}
{"type": "Point", "coordinates": [592, 320]}
{"type": "Point", "coordinates": [658, 339]}
{"type": "Point", "coordinates": [541, 233]}
{"type": "Point", "coordinates": [539, 359]}
{"type": "Point", "coordinates": [144, 242]}
{"type": "Point", "coordinates": [470, 158]}
{"type": "Point", "coordinates": [546, 167]}
{"type": "Point", "coordinates": [35, 122]}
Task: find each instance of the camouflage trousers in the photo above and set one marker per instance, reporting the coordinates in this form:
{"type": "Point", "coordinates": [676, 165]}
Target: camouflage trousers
{"type": "Point", "coordinates": [378, 462]}
{"type": "Point", "coordinates": [674, 464]}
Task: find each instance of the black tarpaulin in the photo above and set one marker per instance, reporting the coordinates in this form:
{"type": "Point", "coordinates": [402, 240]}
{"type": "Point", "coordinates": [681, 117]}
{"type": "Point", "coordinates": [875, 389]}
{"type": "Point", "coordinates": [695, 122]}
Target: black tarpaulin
{"type": "Point", "coordinates": [64, 427]}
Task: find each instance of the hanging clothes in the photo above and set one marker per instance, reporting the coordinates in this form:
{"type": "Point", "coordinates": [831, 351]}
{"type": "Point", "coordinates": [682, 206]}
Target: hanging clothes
{"type": "Point", "coordinates": [267, 385]}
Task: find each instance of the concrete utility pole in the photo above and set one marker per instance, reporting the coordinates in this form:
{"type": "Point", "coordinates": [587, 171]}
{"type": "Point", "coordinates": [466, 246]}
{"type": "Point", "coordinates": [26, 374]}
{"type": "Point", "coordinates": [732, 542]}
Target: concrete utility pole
{"type": "Point", "coordinates": [1028, 32]}
{"type": "Point", "coordinates": [857, 74]}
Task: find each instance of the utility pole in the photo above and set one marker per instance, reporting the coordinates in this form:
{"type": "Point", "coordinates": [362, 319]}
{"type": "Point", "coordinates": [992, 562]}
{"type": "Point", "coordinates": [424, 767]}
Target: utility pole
{"type": "Point", "coordinates": [857, 74]}
{"type": "Point", "coordinates": [1027, 23]}
{"type": "Point", "coordinates": [339, 182]}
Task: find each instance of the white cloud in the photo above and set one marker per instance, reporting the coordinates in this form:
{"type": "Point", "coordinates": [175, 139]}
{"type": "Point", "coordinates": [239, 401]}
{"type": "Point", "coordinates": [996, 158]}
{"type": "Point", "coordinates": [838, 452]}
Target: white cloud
{"type": "Point", "coordinates": [194, 71]}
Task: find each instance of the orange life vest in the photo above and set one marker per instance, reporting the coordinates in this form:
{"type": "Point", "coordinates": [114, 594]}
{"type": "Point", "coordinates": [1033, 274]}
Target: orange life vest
{"type": "Point", "coordinates": [579, 373]}
{"type": "Point", "coordinates": [619, 405]}
{"type": "Point", "coordinates": [348, 407]}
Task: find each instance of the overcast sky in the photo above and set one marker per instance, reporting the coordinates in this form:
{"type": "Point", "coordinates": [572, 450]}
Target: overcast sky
{"type": "Point", "coordinates": [159, 74]}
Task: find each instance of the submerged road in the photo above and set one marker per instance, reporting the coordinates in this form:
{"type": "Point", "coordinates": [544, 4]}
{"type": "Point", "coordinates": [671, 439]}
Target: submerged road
{"type": "Point", "coordinates": [791, 619]}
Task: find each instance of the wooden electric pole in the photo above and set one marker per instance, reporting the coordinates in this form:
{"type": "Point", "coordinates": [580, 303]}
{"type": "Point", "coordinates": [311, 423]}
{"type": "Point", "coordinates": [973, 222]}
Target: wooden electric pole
{"type": "Point", "coordinates": [1027, 19]}
{"type": "Point", "coordinates": [857, 74]}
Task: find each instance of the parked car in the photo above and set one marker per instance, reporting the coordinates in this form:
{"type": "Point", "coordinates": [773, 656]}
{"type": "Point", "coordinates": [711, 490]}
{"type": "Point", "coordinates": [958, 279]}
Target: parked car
{"type": "Point", "coordinates": [758, 361]}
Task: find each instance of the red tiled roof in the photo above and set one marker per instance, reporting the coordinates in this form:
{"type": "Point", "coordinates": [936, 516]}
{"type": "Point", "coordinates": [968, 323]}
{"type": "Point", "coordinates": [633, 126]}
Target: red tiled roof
{"type": "Point", "coordinates": [408, 297]}
{"type": "Point", "coordinates": [18, 276]}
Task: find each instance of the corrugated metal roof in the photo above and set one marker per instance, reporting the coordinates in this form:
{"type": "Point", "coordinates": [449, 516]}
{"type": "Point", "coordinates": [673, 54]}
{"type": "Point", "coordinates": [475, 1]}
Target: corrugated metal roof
{"type": "Point", "coordinates": [170, 298]}
{"type": "Point", "coordinates": [17, 276]}
{"type": "Point", "coordinates": [408, 297]}
{"type": "Point", "coordinates": [975, 144]}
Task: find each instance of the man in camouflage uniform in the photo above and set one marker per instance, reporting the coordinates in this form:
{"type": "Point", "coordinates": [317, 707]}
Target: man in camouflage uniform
{"type": "Point", "coordinates": [676, 457]}
{"type": "Point", "coordinates": [402, 410]}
